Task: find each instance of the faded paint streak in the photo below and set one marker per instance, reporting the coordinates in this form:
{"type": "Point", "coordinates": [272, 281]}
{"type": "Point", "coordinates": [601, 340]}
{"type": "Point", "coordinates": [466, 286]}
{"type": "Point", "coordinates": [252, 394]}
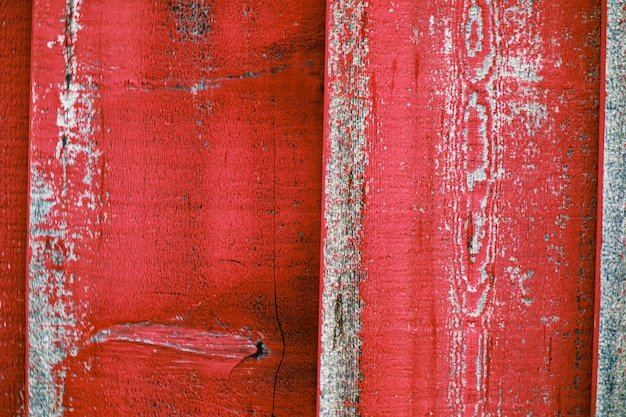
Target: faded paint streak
{"type": "Point", "coordinates": [502, 90]}
{"type": "Point", "coordinates": [472, 158]}
{"type": "Point", "coordinates": [611, 385]}
{"type": "Point", "coordinates": [59, 185]}
{"type": "Point", "coordinates": [345, 147]}
{"type": "Point", "coordinates": [201, 342]}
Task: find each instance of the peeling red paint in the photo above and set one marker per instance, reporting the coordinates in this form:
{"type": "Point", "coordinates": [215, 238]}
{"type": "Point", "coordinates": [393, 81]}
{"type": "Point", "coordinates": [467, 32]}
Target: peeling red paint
{"type": "Point", "coordinates": [175, 185]}
{"type": "Point", "coordinates": [176, 170]}
{"type": "Point", "coordinates": [348, 109]}
{"type": "Point", "coordinates": [477, 238]}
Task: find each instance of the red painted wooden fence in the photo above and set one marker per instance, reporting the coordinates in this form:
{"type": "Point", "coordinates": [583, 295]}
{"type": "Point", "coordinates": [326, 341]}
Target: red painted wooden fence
{"type": "Point", "coordinates": [460, 205]}
{"type": "Point", "coordinates": [175, 186]}
{"type": "Point", "coordinates": [209, 179]}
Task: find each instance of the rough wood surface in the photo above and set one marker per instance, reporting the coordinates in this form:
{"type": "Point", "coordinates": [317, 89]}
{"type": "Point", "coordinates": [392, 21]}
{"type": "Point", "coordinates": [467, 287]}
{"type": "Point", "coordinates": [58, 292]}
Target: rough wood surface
{"type": "Point", "coordinates": [460, 208]}
{"type": "Point", "coordinates": [611, 363]}
{"type": "Point", "coordinates": [15, 26]}
{"type": "Point", "coordinates": [175, 207]}
{"type": "Point", "coordinates": [345, 155]}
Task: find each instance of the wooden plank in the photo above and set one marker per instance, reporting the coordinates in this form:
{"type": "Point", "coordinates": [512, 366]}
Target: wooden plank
{"type": "Point", "coordinates": [175, 200]}
{"type": "Point", "coordinates": [460, 208]}
{"type": "Point", "coordinates": [609, 375]}
{"type": "Point", "coordinates": [15, 27]}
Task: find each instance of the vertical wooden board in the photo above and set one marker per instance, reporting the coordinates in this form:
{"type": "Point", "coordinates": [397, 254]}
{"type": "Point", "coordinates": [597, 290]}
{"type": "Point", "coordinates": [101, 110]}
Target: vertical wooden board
{"type": "Point", "coordinates": [175, 200]}
{"type": "Point", "coordinates": [460, 208]}
{"type": "Point", "coordinates": [15, 21]}
{"type": "Point", "coordinates": [610, 375]}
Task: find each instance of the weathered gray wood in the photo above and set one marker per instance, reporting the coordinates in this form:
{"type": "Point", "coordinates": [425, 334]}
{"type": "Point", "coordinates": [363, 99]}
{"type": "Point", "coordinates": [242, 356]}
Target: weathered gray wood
{"type": "Point", "coordinates": [345, 160]}
{"type": "Point", "coordinates": [611, 388]}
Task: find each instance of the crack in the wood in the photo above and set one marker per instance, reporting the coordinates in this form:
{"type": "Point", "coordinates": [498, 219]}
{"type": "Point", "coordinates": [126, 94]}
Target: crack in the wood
{"type": "Point", "coordinates": [204, 83]}
{"type": "Point", "coordinates": [280, 327]}
{"type": "Point", "coordinates": [235, 261]}
{"type": "Point", "coordinates": [69, 41]}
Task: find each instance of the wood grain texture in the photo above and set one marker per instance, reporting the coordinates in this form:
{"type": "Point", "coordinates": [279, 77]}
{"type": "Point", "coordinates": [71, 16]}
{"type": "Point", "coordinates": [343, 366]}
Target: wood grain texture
{"type": "Point", "coordinates": [345, 156]}
{"type": "Point", "coordinates": [460, 208]}
{"type": "Point", "coordinates": [175, 207]}
{"type": "Point", "coordinates": [15, 27]}
{"type": "Point", "coordinates": [610, 397]}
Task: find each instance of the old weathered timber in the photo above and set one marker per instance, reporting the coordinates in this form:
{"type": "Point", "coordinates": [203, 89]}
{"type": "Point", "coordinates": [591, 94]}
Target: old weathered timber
{"type": "Point", "coordinates": [611, 359]}
{"type": "Point", "coordinates": [175, 207]}
{"type": "Point", "coordinates": [15, 26]}
{"type": "Point", "coordinates": [345, 157]}
{"type": "Point", "coordinates": [459, 219]}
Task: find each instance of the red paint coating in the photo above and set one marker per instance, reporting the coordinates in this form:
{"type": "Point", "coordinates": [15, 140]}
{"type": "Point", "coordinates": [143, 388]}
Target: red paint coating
{"type": "Point", "coordinates": [598, 283]}
{"type": "Point", "coordinates": [15, 27]}
{"type": "Point", "coordinates": [202, 209]}
{"type": "Point", "coordinates": [428, 347]}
